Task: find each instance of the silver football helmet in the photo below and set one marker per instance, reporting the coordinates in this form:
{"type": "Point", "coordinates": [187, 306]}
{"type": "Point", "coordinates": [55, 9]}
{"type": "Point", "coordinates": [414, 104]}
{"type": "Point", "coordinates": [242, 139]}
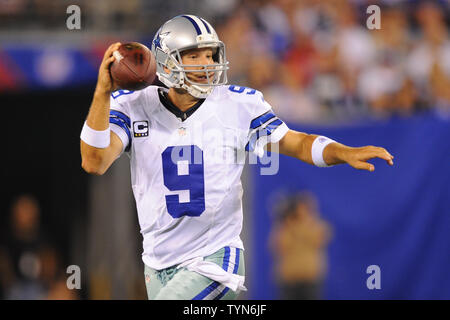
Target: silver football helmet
{"type": "Point", "coordinates": [182, 33]}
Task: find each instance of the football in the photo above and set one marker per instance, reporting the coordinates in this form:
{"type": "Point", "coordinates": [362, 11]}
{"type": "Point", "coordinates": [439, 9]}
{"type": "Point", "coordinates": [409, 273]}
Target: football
{"type": "Point", "coordinates": [134, 67]}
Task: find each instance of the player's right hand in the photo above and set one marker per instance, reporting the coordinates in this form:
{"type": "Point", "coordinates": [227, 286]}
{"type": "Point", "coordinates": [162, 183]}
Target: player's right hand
{"type": "Point", "coordinates": [105, 83]}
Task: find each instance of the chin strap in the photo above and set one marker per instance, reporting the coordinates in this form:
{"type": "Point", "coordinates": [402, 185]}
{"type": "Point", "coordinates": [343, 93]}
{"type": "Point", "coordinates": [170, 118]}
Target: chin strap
{"type": "Point", "coordinates": [196, 92]}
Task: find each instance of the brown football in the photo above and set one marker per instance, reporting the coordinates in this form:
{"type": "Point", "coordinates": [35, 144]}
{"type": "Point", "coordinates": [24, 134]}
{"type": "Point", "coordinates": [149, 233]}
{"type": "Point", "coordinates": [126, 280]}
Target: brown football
{"type": "Point", "coordinates": [134, 67]}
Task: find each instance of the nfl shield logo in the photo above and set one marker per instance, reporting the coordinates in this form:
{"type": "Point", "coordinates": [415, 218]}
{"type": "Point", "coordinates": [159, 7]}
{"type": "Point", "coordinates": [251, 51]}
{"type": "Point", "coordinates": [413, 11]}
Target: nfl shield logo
{"type": "Point", "coordinates": [181, 131]}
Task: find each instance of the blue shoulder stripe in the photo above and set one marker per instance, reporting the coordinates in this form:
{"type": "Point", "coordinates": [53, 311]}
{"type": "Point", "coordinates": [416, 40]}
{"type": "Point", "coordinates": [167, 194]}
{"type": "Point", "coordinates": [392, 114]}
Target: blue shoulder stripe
{"type": "Point", "coordinates": [120, 115]}
{"type": "Point", "coordinates": [267, 131]}
{"type": "Point", "coordinates": [121, 124]}
{"type": "Point", "coordinates": [272, 126]}
{"type": "Point", "coordinates": [123, 121]}
{"type": "Point", "coordinates": [261, 119]}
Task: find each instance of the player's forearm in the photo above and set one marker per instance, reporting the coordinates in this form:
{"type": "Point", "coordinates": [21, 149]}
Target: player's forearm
{"type": "Point", "coordinates": [304, 148]}
{"type": "Point", "coordinates": [299, 145]}
{"type": "Point", "coordinates": [98, 117]}
{"type": "Point", "coordinates": [94, 160]}
{"type": "Point", "coordinates": [334, 153]}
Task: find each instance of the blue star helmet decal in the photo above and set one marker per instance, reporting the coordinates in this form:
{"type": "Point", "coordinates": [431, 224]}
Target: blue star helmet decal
{"type": "Point", "coordinates": [157, 41]}
{"type": "Point", "coordinates": [158, 38]}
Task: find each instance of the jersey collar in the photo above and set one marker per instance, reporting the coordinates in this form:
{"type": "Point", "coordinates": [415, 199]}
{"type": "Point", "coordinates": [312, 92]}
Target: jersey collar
{"type": "Point", "coordinates": [174, 109]}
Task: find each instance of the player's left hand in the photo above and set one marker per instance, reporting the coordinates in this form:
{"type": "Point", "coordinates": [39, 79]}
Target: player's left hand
{"type": "Point", "coordinates": [357, 157]}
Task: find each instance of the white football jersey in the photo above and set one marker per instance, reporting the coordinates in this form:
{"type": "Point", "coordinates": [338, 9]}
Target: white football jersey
{"type": "Point", "coordinates": [186, 174]}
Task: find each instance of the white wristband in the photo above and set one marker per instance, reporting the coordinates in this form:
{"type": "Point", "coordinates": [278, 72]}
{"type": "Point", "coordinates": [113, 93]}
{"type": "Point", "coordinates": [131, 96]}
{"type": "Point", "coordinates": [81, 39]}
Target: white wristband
{"type": "Point", "coordinates": [95, 138]}
{"type": "Point", "coordinates": [318, 146]}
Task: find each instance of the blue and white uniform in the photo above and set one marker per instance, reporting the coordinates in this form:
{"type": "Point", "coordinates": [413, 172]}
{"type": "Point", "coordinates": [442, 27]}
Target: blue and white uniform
{"type": "Point", "coordinates": [186, 174]}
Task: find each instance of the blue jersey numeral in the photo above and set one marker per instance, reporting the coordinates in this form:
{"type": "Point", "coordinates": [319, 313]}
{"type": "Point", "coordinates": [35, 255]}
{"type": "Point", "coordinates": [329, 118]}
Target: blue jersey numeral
{"type": "Point", "coordinates": [183, 170]}
{"type": "Point", "coordinates": [119, 93]}
{"type": "Point", "coordinates": [239, 89]}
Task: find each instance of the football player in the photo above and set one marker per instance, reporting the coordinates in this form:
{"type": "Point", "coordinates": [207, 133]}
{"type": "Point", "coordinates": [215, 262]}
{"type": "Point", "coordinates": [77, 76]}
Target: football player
{"type": "Point", "coordinates": [185, 146]}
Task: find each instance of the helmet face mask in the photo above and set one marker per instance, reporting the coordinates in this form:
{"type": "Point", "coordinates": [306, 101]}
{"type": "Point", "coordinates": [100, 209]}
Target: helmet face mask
{"type": "Point", "coordinates": [185, 33]}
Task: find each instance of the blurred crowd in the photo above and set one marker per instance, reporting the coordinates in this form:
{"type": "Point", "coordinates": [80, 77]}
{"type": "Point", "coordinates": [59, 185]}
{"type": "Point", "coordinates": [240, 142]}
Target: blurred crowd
{"type": "Point", "coordinates": [31, 264]}
{"type": "Point", "coordinates": [315, 61]}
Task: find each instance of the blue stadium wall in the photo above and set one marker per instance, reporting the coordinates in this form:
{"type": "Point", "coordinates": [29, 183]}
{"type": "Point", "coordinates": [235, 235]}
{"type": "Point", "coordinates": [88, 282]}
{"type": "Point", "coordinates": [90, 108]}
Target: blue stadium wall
{"type": "Point", "coordinates": [396, 217]}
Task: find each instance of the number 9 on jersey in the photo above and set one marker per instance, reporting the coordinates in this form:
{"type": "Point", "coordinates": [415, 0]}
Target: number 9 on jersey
{"type": "Point", "coordinates": [183, 171]}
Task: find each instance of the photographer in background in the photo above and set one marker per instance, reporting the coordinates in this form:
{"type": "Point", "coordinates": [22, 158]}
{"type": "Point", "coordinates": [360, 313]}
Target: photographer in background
{"type": "Point", "coordinates": [298, 241]}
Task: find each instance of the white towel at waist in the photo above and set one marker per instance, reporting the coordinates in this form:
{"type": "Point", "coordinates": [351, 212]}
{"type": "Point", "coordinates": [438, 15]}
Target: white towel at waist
{"type": "Point", "coordinates": [211, 270]}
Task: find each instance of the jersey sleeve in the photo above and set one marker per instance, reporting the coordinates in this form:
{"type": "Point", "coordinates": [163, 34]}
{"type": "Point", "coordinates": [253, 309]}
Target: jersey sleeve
{"type": "Point", "coordinates": [264, 126]}
{"type": "Point", "coordinates": [119, 120]}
